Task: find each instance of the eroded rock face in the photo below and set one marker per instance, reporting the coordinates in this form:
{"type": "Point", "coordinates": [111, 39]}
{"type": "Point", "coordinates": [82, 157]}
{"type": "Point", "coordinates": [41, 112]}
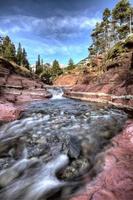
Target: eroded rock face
{"type": "Point", "coordinates": [17, 87]}
{"type": "Point", "coordinates": [66, 80]}
{"type": "Point", "coordinates": [9, 112]}
{"type": "Point", "coordinates": [115, 182]}
{"type": "Point", "coordinates": [116, 80]}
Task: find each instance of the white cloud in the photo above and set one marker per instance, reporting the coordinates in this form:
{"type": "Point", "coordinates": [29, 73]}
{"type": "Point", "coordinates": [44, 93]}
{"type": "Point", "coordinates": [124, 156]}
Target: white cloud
{"type": "Point", "coordinates": [44, 36]}
{"type": "Point", "coordinates": [52, 49]}
{"type": "Point", "coordinates": [48, 51]}
{"type": "Point", "coordinates": [29, 24]}
{"type": "Point", "coordinates": [89, 23]}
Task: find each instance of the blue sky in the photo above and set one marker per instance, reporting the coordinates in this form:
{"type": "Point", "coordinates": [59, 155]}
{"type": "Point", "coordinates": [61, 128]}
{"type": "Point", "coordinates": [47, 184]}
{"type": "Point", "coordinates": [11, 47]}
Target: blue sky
{"type": "Point", "coordinates": [55, 29]}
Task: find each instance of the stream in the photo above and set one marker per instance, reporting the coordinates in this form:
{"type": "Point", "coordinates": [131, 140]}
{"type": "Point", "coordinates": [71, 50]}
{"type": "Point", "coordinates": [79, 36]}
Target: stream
{"type": "Point", "coordinates": [55, 144]}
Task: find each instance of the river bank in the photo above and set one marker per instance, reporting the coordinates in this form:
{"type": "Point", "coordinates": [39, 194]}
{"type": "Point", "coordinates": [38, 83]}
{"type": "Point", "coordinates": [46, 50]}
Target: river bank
{"type": "Point", "coordinates": [62, 140]}
{"type": "Point", "coordinates": [122, 102]}
{"type": "Point", "coordinates": [115, 180]}
{"type": "Point", "coordinates": [18, 86]}
{"type": "Point", "coordinates": [76, 146]}
{"type": "Point", "coordinates": [103, 79]}
{"type": "Point", "coordinates": [76, 134]}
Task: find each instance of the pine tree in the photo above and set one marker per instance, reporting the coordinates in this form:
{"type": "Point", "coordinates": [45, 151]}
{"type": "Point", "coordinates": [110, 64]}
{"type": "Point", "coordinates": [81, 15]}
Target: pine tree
{"type": "Point", "coordinates": [106, 15]}
{"type": "Point", "coordinates": [116, 25]}
{"type": "Point", "coordinates": [41, 62]}
{"type": "Point", "coordinates": [9, 50]}
{"type": "Point", "coordinates": [98, 38]}
{"type": "Point", "coordinates": [46, 75]}
{"type": "Point", "coordinates": [92, 50]}
{"type": "Point", "coordinates": [1, 46]}
{"type": "Point", "coordinates": [24, 61]}
{"type": "Point", "coordinates": [38, 63]}
{"type": "Point", "coordinates": [121, 13]}
{"type": "Point", "coordinates": [39, 67]}
{"type": "Point", "coordinates": [12, 52]}
{"type": "Point", "coordinates": [70, 64]}
{"type": "Point", "coordinates": [19, 55]}
{"type": "Point", "coordinates": [106, 27]}
{"type": "Point", "coordinates": [56, 70]}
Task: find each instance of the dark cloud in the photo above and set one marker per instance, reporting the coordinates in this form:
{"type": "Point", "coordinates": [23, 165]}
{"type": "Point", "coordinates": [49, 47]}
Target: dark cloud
{"type": "Point", "coordinates": [60, 28]}
{"type": "Point", "coordinates": [60, 19]}
{"type": "Point", "coordinates": [46, 8]}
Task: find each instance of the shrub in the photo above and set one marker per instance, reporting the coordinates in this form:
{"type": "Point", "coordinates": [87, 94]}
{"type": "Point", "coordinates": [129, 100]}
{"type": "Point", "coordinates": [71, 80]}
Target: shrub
{"type": "Point", "coordinates": [116, 50]}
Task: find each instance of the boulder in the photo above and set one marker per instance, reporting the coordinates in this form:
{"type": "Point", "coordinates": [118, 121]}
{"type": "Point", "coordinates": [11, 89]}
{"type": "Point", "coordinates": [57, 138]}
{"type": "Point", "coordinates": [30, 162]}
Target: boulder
{"type": "Point", "coordinates": [9, 112]}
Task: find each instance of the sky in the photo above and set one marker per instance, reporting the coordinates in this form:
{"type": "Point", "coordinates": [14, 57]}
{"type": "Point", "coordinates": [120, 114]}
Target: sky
{"type": "Point", "coordinates": [55, 29]}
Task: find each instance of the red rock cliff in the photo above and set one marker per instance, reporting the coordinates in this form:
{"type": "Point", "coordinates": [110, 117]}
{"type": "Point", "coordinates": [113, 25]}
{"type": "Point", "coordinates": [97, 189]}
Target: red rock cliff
{"type": "Point", "coordinates": [17, 85]}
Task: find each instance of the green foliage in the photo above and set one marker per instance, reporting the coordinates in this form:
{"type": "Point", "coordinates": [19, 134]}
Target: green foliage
{"type": "Point", "coordinates": [38, 62]}
{"type": "Point", "coordinates": [8, 51]}
{"type": "Point", "coordinates": [56, 70]}
{"type": "Point", "coordinates": [46, 75]}
{"type": "Point", "coordinates": [121, 14]}
{"type": "Point", "coordinates": [129, 39]}
{"type": "Point", "coordinates": [19, 54]}
{"type": "Point", "coordinates": [22, 57]}
{"type": "Point", "coordinates": [99, 39]}
{"type": "Point", "coordinates": [1, 46]}
{"type": "Point", "coordinates": [25, 62]}
{"type": "Point", "coordinates": [106, 15]}
{"type": "Point", "coordinates": [122, 31]}
{"type": "Point", "coordinates": [115, 26]}
{"type": "Point", "coordinates": [70, 65]}
{"type": "Point", "coordinates": [39, 70]}
{"type": "Point", "coordinates": [92, 49]}
{"type": "Point", "coordinates": [39, 65]}
{"type": "Point", "coordinates": [46, 72]}
{"type": "Point", "coordinates": [116, 50]}
{"type": "Point", "coordinates": [122, 11]}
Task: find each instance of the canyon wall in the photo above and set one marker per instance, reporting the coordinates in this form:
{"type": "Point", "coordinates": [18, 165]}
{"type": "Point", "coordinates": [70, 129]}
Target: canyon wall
{"type": "Point", "coordinates": [18, 86]}
{"type": "Point", "coordinates": [107, 82]}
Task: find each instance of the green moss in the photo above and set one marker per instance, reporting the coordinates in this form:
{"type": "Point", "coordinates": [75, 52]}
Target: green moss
{"type": "Point", "coordinates": [129, 40]}
{"type": "Point", "coordinates": [116, 50]}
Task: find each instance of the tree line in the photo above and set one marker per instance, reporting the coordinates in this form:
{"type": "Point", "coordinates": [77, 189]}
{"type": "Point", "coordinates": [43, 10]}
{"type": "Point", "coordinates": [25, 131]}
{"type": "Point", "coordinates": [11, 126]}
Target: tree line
{"type": "Point", "coordinates": [9, 51]}
{"type": "Point", "coordinates": [49, 72]}
{"type": "Point", "coordinates": [18, 55]}
{"type": "Point", "coordinates": [116, 24]}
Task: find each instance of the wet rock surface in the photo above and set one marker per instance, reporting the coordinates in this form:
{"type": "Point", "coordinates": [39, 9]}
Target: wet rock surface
{"type": "Point", "coordinates": [115, 182]}
{"type": "Point", "coordinates": [46, 130]}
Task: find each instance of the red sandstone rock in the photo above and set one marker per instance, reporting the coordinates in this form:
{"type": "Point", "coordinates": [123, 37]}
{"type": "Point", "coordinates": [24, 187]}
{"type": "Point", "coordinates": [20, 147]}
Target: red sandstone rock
{"type": "Point", "coordinates": [9, 112]}
{"type": "Point", "coordinates": [115, 182]}
{"type": "Point", "coordinates": [116, 81]}
{"type": "Point", "coordinates": [66, 80]}
{"type": "Point", "coordinates": [17, 86]}
{"type": "Point", "coordinates": [14, 81]}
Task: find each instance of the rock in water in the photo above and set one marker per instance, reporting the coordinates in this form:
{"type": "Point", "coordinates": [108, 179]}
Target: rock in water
{"type": "Point", "coordinates": [74, 147]}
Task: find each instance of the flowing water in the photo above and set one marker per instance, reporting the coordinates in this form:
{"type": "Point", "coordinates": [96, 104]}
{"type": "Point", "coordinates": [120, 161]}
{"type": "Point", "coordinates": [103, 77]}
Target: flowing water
{"type": "Point", "coordinates": [56, 143]}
